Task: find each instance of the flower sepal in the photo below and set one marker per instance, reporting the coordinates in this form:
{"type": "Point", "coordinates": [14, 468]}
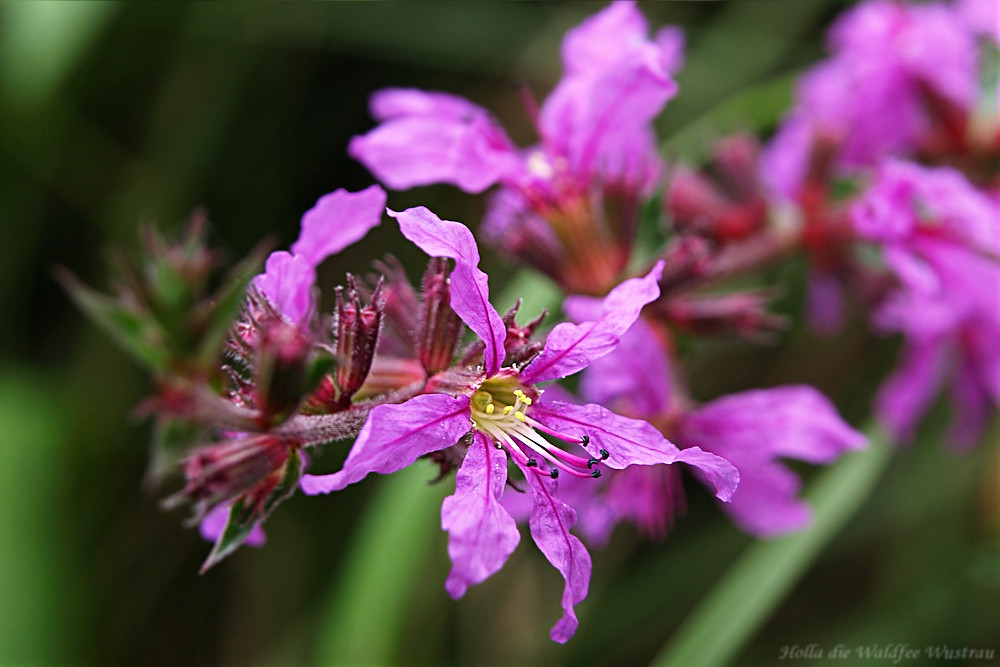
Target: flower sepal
{"type": "Point", "coordinates": [253, 507]}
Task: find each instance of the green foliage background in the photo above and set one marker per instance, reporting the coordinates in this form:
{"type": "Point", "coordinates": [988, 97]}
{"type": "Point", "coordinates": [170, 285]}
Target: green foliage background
{"type": "Point", "coordinates": [111, 114]}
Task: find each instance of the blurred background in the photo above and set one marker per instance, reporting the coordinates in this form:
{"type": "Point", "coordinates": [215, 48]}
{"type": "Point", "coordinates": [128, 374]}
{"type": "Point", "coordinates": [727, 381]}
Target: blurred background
{"type": "Point", "coordinates": [116, 114]}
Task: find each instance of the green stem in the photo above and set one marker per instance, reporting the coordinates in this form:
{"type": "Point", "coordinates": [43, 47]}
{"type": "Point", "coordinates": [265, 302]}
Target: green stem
{"type": "Point", "coordinates": [375, 591]}
{"type": "Point", "coordinates": [752, 589]}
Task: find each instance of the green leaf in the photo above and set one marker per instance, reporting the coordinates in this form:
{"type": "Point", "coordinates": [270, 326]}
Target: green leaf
{"type": "Point", "coordinates": [134, 331]}
{"type": "Point", "coordinates": [242, 521]}
{"type": "Point", "coordinates": [746, 596]}
{"type": "Point", "coordinates": [319, 366]}
{"type": "Point", "coordinates": [213, 324]}
{"type": "Point", "coordinates": [172, 439]}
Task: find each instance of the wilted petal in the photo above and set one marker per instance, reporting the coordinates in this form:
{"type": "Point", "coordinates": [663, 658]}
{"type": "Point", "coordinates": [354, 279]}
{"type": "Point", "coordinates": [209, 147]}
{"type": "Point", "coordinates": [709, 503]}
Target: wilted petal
{"type": "Point", "coordinates": [395, 436]}
{"type": "Point", "coordinates": [481, 533]}
{"type": "Point", "coordinates": [571, 347]}
{"type": "Point", "coordinates": [287, 282]}
{"type": "Point", "coordinates": [338, 220]}
{"type": "Point", "coordinates": [470, 294]}
{"type": "Point", "coordinates": [550, 522]}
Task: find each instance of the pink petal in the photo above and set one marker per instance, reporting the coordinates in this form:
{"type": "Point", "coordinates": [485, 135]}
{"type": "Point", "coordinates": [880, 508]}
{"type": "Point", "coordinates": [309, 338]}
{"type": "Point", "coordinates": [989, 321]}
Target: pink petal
{"type": "Point", "coordinates": [571, 347]}
{"type": "Point", "coordinates": [635, 376]}
{"type": "Point", "coordinates": [287, 282]}
{"type": "Point", "coordinates": [753, 430]}
{"type": "Point", "coordinates": [470, 294]}
{"type": "Point", "coordinates": [550, 522]}
{"type": "Point", "coordinates": [615, 84]}
{"type": "Point", "coordinates": [395, 436]}
{"type": "Point", "coordinates": [390, 103]}
{"type": "Point", "coordinates": [907, 394]}
{"type": "Point", "coordinates": [793, 421]}
{"type": "Point", "coordinates": [434, 138]}
{"type": "Point", "coordinates": [630, 441]}
{"type": "Point", "coordinates": [338, 220]}
{"type": "Point", "coordinates": [481, 534]}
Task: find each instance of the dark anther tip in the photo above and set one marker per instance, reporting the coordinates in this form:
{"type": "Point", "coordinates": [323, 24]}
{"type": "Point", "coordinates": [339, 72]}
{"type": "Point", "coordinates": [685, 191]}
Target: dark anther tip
{"type": "Point", "coordinates": [531, 463]}
{"type": "Point", "coordinates": [554, 473]}
{"type": "Point", "coordinates": [585, 439]}
{"type": "Point", "coordinates": [591, 463]}
{"type": "Point", "coordinates": [604, 454]}
{"type": "Point", "coordinates": [595, 474]}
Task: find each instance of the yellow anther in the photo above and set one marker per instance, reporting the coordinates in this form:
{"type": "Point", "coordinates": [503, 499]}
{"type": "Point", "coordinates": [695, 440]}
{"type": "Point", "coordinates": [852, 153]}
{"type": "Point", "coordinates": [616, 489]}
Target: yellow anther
{"type": "Point", "coordinates": [490, 408]}
{"type": "Point", "coordinates": [508, 409]}
{"type": "Point", "coordinates": [526, 400]}
{"type": "Point", "coordinates": [519, 415]}
{"type": "Point", "coordinates": [519, 393]}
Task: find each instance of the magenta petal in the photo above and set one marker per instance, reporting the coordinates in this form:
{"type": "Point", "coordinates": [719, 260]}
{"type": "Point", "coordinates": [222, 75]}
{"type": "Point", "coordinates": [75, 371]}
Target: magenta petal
{"type": "Point", "coordinates": [714, 470]}
{"type": "Point", "coordinates": [634, 377]}
{"type": "Point", "coordinates": [287, 282]}
{"type": "Point", "coordinates": [338, 220]}
{"type": "Point", "coordinates": [907, 394]}
{"type": "Point", "coordinates": [550, 522]}
{"type": "Point", "coordinates": [434, 138]}
{"type": "Point", "coordinates": [753, 430]}
{"type": "Point", "coordinates": [481, 533]}
{"type": "Point", "coordinates": [390, 103]}
{"type": "Point", "coordinates": [470, 294]}
{"type": "Point", "coordinates": [571, 347]}
{"type": "Point", "coordinates": [795, 421]}
{"type": "Point", "coordinates": [395, 436]}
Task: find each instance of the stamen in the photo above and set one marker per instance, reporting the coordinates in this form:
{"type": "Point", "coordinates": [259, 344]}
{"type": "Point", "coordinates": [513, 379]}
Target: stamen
{"type": "Point", "coordinates": [584, 440]}
{"type": "Point", "coordinates": [604, 454]}
{"type": "Point", "coordinates": [490, 408]}
{"type": "Point", "coordinates": [565, 437]}
{"type": "Point", "coordinates": [507, 409]}
{"type": "Point", "coordinates": [532, 463]}
{"type": "Point", "coordinates": [555, 473]}
{"type": "Point", "coordinates": [548, 452]}
{"type": "Point", "coordinates": [595, 474]}
{"type": "Point", "coordinates": [519, 415]}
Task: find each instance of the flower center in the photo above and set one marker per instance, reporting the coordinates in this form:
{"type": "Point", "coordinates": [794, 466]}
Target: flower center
{"type": "Point", "coordinates": [500, 410]}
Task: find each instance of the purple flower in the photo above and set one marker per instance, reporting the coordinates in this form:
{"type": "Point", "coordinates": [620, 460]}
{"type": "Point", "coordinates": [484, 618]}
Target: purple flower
{"type": "Point", "coordinates": [940, 239]}
{"type": "Point", "coordinates": [506, 415]}
{"type": "Point", "coordinates": [568, 206]}
{"type": "Point", "coordinates": [752, 430]}
{"type": "Point", "coordinates": [883, 92]}
{"type": "Point", "coordinates": [338, 220]}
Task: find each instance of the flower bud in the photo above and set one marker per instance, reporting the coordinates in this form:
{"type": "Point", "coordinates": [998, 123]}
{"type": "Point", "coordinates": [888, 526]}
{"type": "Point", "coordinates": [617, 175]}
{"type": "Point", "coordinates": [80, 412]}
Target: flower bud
{"type": "Point", "coordinates": [357, 331]}
{"type": "Point", "coordinates": [280, 362]}
{"type": "Point", "coordinates": [226, 470]}
{"type": "Point", "coordinates": [440, 327]}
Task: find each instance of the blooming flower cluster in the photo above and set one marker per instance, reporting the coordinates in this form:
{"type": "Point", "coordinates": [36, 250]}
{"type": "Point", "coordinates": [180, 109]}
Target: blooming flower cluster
{"type": "Point", "coordinates": [265, 376]}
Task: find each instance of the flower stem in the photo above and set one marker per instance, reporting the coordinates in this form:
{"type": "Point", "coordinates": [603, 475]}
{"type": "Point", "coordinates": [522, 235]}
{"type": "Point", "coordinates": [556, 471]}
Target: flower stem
{"type": "Point", "coordinates": [755, 585]}
{"type": "Point", "coordinates": [375, 591]}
